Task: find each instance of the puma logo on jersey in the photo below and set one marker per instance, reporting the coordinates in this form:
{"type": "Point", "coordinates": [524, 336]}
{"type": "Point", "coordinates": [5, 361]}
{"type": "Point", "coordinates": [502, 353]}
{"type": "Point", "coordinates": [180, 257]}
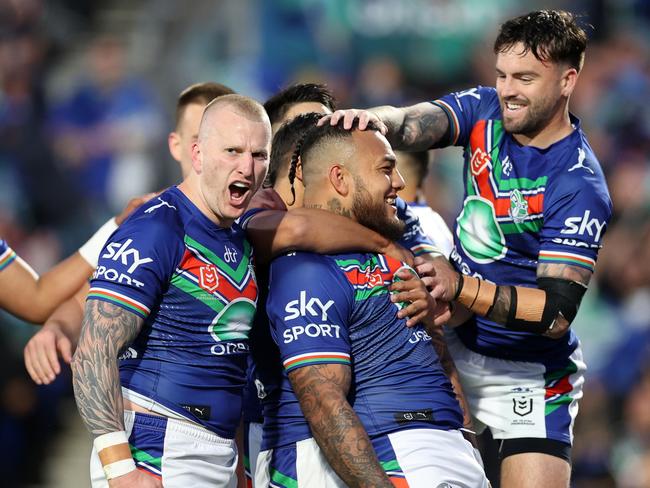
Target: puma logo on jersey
{"type": "Point", "coordinates": [580, 164]}
{"type": "Point", "coordinates": [162, 203]}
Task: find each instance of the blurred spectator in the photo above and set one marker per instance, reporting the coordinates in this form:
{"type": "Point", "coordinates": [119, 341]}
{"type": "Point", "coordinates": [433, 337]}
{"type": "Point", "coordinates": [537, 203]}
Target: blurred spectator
{"type": "Point", "coordinates": [104, 130]}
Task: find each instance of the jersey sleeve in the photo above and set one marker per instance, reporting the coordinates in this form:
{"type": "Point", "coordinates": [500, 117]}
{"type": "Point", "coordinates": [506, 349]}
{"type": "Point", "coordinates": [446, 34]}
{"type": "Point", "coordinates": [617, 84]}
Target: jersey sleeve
{"type": "Point", "coordinates": [309, 308]}
{"type": "Point", "coordinates": [136, 265]}
{"type": "Point", "coordinates": [464, 109]}
{"type": "Point", "coordinates": [7, 255]}
{"type": "Point", "coordinates": [414, 237]}
{"type": "Point", "coordinates": [577, 210]}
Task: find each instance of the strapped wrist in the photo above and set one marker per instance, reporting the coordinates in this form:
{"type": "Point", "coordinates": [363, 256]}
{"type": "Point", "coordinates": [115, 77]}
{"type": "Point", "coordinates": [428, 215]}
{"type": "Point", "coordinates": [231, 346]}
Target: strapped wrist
{"type": "Point", "coordinates": [114, 454]}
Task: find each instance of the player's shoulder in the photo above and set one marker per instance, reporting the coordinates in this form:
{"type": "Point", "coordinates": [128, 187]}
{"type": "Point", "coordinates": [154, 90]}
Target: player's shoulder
{"type": "Point", "coordinates": [483, 98]}
{"type": "Point", "coordinates": [578, 169]}
{"type": "Point", "coordinates": [300, 264]}
{"type": "Point", "coordinates": [160, 220]}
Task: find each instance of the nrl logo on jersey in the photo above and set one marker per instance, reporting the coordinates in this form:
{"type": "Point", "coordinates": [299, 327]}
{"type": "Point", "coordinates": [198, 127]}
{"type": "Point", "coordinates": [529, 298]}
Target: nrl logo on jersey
{"type": "Point", "coordinates": [518, 206]}
{"type": "Point", "coordinates": [479, 161]}
{"type": "Point", "coordinates": [208, 277]}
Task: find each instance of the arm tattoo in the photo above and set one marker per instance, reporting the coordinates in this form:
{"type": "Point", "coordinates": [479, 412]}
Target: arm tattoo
{"type": "Point", "coordinates": [565, 272]}
{"type": "Point", "coordinates": [322, 391]}
{"type": "Point", "coordinates": [423, 126]}
{"type": "Point", "coordinates": [449, 367]}
{"type": "Point", "coordinates": [106, 329]}
{"type": "Point", "coordinates": [334, 205]}
{"type": "Point", "coordinates": [501, 307]}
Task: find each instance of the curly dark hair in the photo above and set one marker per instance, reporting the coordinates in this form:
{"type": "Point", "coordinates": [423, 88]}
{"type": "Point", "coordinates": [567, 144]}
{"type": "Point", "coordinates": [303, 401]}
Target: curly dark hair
{"type": "Point", "coordinates": [551, 35]}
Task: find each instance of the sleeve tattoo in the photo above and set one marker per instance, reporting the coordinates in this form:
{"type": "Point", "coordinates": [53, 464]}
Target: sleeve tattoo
{"type": "Point", "coordinates": [322, 391]}
{"type": "Point", "coordinates": [106, 329]}
{"type": "Point", "coordinates": [423, 126]}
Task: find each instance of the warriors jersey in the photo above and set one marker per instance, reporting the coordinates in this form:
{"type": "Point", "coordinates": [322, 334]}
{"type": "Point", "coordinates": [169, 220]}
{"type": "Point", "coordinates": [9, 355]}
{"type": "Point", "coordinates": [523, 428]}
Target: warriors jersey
{"type": "Point", "coordinates": [336, 309]}
{"type": "Point", "coordinates": [193, 284]}
{"type": "Point", "coordinates": [434, 227]}
{"type": "Point", "coordinates": [523, 207]}
{"type": "Point", "coordinates": [7, 255]}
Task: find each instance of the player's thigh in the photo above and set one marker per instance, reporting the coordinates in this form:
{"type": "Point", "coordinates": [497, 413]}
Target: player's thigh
{"type": "Point", "coordinates": [252, 443]}
{"type": "Point", "coordinates": [521, 399]}
{"type": "Point", "coordinates": [429, 457]}
{"type": "Point", "coordinates": [301, 465]}
{"type": "Point", "coordinates": [535, 470]}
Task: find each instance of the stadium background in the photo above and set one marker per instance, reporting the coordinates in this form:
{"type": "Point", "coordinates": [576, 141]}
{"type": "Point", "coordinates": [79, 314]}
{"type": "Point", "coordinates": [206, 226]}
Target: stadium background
{"type": "Point", "coordinates": [86, 101]}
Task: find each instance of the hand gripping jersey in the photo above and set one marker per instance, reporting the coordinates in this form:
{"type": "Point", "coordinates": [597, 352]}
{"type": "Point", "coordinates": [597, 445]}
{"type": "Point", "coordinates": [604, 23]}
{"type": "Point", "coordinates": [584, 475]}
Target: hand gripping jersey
{"type": "Point", "coordinates": [7, 255]}
{"type": "Point", "coordinates": [193, 283]}
{"type": "Point", "coordinates": [523, 207]}
{"type": "Point", "coordinates": [336, 309]}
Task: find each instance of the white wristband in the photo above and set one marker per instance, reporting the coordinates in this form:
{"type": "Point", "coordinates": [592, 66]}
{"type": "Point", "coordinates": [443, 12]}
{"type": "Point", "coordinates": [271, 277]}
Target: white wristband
{"type": "Point", "coordinates": [111, 439]}
{"type": "Point", "coordinates": [93, 247]}
{"type": "Point", "coordinates": [119, 468]}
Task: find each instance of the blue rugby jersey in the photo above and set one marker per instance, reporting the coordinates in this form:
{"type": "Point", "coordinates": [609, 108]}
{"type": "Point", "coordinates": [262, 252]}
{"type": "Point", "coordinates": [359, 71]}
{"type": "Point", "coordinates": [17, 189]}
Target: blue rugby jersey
{"type": "Point", "coordinates": [523, 206]}
{"type": "Point", "coordinates": [7, 255]}
{"type": "Point", "coordinates": [262, 346]}
{"type": "Point", "coordinates": [194, 284]}
{"type": "Point", "coordinates": [336, 309]}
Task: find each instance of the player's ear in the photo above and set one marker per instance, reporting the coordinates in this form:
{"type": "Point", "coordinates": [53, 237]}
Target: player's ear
{"type": "Point", "coordinates": [197, 158]}
{"type": "Point", "coordinates": [568, 81]}
{"type": "Point", "coordinates": [174, 143]}
{"type": "Point", "coordinates": [339, 178]}
{"type": "Point", "coordinates": [299, 169]}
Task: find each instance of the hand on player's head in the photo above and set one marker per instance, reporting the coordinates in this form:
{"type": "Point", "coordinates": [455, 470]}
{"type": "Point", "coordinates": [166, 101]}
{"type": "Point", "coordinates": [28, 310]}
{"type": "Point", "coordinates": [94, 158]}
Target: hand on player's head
{"type": "Point", "coordinates": [348, 117]}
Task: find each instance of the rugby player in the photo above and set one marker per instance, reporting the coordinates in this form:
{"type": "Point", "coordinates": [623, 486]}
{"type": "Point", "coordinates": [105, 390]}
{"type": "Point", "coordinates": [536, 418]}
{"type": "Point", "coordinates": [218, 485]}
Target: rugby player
{"type": "Point", "coordinates": [372, 402]}
{"type": "Point", "coordinates": [59, 334]}
{"type": "Point", "coordinates": [176, 299]}
{"type": "Point", "coordinates": [535, 211]}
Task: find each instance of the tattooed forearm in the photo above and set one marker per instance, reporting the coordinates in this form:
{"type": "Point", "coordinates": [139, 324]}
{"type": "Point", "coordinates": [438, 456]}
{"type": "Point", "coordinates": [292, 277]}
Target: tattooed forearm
{"type": "Point", "coordinates": [565, 272]}
{"type": "Point", "coordinates": [501, 307]}
{"type": "Point", "coordinates": [415, 128]}
{"type": "Point", "coordinates": [322, 392]}
{"type": "Point", "coordinates": [105, 331]}
{"type": "Point", "coordinates": [447, 363]}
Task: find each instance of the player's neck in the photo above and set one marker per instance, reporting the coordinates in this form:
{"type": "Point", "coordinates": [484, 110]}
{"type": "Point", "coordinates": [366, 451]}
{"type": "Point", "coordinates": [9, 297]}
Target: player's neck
{"type": "Point", "coordinates": [191, 190]}
{"type": "Point", "coordinates": [556, 129]}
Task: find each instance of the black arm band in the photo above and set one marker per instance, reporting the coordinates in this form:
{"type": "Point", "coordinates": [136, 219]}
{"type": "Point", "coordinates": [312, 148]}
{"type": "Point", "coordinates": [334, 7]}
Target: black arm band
{"type": "Point", "coordinates": [532, 311]}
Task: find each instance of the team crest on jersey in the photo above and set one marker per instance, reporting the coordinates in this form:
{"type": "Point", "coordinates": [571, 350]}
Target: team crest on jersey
{"type": "Point", "coordinates": [374, 279]}
{"type": "Point", "coordinates": [518, 206]}
{"type": "Point", "coordinates": [522, 406]}
{"type": "Point", "coordinates": [479, 161]}
{"type": "Point", "coordinates": [208, 278]}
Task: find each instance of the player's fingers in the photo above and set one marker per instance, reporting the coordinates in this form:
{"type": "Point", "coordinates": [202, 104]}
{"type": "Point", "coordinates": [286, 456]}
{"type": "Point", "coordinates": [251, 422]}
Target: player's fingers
{"type": "Point", "coordinates": [51, 359]}
{"type": "Point", "coordinates": [29, 365]}
{"type": "Point", "coordinates": [364, 117]}
{"type": "Point", "coordinates": [65, 348]}
{"type": "Point", "coordinates": [349, 118]}
{"type": "Point", "coordinates": [405, 285]}
{"type": "Point", "coordinates": [416, 319]}
{"type": "Point", "coordinates": [428, 282]}
{"type": "Point", "coordinates": [37, 364]}
{"type": "Point", "coordinates": [425, 269]}
{"type": "Point", "coordinates": [403, 297]}
{"type": "Point", "coordinates": [336, 117]}
{"type": "Point", "coordinates": [442, 318]}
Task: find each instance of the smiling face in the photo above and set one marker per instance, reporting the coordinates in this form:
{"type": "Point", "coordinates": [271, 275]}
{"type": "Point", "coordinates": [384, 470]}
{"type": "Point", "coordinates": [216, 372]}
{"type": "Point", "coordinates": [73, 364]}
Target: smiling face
{"type": "Point", "coordinates": [376, 183]}
{"type": "Point", "coordinates": [231, 160]}
{"type": "Point", "coordinates": [533, 94]}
